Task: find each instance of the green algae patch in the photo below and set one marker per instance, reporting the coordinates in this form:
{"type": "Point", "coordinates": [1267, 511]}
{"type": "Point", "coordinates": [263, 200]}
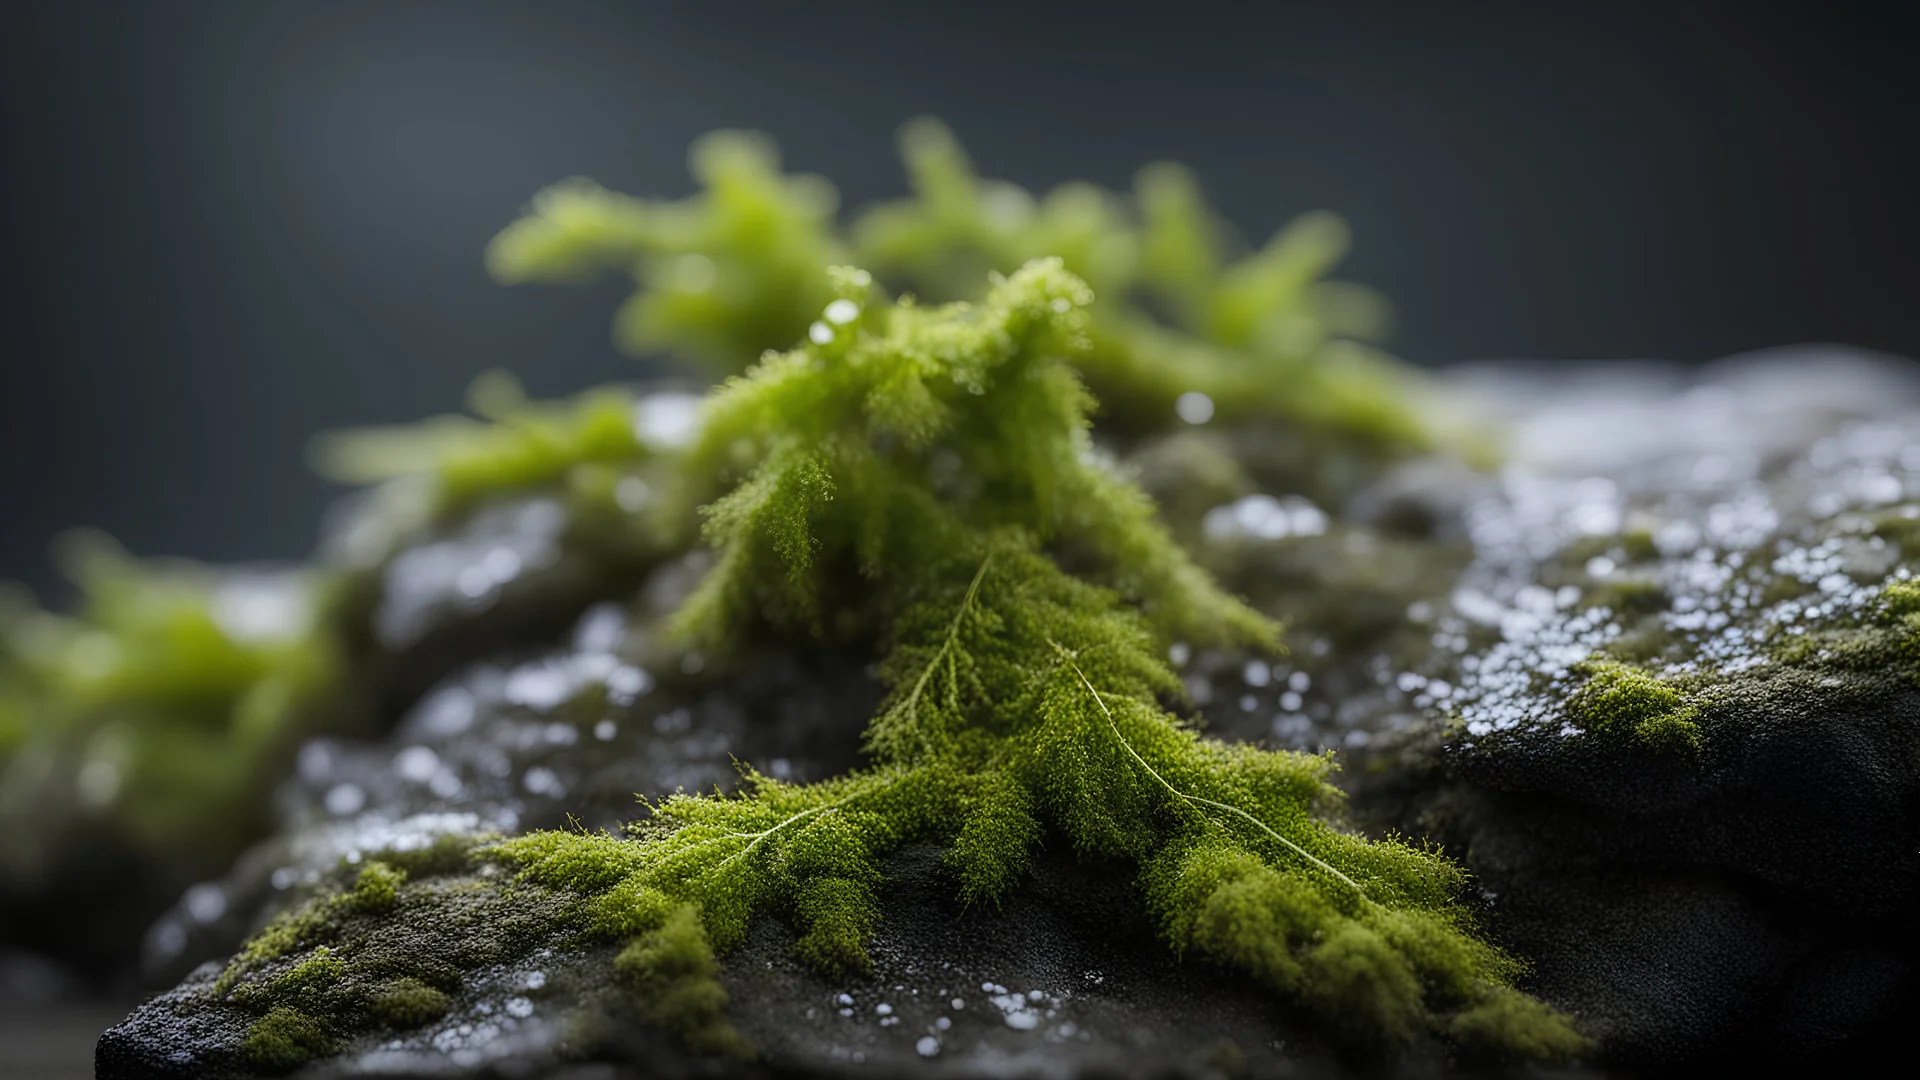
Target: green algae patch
{"type": "Point", "coordinates": [1622, 701]}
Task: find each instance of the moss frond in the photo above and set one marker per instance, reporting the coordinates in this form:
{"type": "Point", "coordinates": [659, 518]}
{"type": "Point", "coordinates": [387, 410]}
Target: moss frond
{"type": "Point", "coordinates": [743, 267]}
{"type": "Point", "coordinates": [925, 476]}
{"type": "Point", "coordinates": [722, 276]}
{"type": "Point", "coordinates": [514, 444]}
{"type": "Point", "coordinates": [901, 437]}
{"type": "Point", "coordinates": [175, 687]}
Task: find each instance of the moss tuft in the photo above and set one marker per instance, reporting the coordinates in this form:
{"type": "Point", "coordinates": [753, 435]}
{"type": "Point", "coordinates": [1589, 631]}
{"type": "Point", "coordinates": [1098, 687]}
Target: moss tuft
{"type": "Point", "coordinates": [741, 268]}
{"type": "Point", "coordinates": [286, 1038]}
{"type": "Point", "coordinates": [1621, 700]}
{"type": "Point", "coordinates": [407, 1003]}
{"type": "Point", "coordinates": [377, 889]}
{"type": "Point", "coordinates": [1021, 697]}
{"type": "Point", "coordinates": [671, 974]}
{"type": "Point", "coordinates": [926, 475]}
{"type": "Point", "coordinates": [1509, 1025]}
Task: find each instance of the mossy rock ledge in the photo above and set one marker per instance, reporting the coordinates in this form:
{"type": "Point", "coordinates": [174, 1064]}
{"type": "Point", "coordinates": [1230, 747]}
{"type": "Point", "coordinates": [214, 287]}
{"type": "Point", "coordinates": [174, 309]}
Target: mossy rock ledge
{"type": "Point", "coordinates": [1652, 683]}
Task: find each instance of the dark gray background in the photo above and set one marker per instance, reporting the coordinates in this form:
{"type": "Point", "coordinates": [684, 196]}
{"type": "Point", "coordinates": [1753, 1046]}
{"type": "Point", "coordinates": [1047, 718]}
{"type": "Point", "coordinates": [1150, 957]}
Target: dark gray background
{"type": "Point", "coordinates": [226, 226]}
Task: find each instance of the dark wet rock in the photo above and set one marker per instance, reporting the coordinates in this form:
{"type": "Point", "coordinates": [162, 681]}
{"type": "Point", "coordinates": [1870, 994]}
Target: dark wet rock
{"type": "Point", "coordinates": [1745, 904]}
{"type": "Point", "coordinates": [1746, 900]}
{"type": "Point", "coordinates": [569, 737]}
{"type": "Point", "coordinates": [954, 992]}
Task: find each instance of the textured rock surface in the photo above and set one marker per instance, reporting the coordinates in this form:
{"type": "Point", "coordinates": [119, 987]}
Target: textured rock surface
{"type": "Point", "coordinates": [1706, 527]}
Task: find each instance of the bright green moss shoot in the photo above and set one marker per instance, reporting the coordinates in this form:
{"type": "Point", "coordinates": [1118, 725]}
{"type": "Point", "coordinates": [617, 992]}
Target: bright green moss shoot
{"type": "Point", "coordinates": [285, 1038]}
{"type": "Point", "coordinates": [515, 444]}
{"type": "Point", "coordinates": [1622, 700]}
{"type": "Point", "coordinates": [175, 712]}
{"type": "Point", "coordinates": [921, 466]}
{"type": "Point", "coordinates": [742, 268]}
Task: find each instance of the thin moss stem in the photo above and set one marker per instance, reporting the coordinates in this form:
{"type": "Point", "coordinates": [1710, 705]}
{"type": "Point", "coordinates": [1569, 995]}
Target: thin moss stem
{"type": "Point", "coordinates": [1066, 654]}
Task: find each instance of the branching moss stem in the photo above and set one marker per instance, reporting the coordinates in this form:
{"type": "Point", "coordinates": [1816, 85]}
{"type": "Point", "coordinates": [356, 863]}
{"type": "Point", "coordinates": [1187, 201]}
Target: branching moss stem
{"type": "Point", "coordinates": [1067, 655]}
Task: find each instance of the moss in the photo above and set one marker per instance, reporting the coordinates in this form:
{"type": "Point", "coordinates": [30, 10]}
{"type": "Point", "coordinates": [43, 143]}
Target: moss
{"type": "Point", "coordinates": [1900, 609]}
{"type": "Point", "coordinates": [408, 1003]}
{"type": "Point", "coordinates": [671, 973]}
{"type": "Point", "coordinates": [1022, 697]}
{"type": "Point", "coordinates": [1619, 700]}
{"type": "Point", "coordinates": [514, 444]}
{"type": "Point", "coordinates": [175, 713]}
{"type": "Point", "coordinates": [1783, 587]}
{"type": "Point", "coordinates": [446, 853]}
{"type": "Point", "coordinates": [1629, 598]}
{"type": "Point", "coordinates": [923, 477]}
{"type": "Point", "coordinates": [1901, 528]}
{"type": "Point", "coordinates": [286, 1038]}
{"type": "Point", "coordinates": [1508, 1025]}
{"type": "Point", "coordinates": [741, 268]}
{"type": "Point", "coordinates": [342, 966]}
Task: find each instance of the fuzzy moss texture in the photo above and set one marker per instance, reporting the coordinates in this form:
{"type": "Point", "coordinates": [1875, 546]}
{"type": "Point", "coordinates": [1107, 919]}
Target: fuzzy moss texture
{"type": "Point", "coordinates": [176, 718]}
{"type": "Point", "coordinates": [924, 477]}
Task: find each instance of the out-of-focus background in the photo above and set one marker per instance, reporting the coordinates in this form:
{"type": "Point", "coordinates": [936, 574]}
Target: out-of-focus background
{"type": "Point", "coordinates": [224, 226]}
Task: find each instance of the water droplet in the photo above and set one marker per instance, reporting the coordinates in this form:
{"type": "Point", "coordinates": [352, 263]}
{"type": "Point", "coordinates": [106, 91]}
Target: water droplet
{"type": "Point", "coordinates": [1194, 407]}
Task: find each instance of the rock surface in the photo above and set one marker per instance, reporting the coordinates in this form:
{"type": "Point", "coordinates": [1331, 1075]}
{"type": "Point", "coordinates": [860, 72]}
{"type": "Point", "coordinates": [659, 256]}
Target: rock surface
{"type": "Point", "coordinates": [1728, 531]}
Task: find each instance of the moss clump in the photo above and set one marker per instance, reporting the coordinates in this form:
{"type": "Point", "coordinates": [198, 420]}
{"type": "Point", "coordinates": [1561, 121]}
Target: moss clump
{"type": "Point", "coordinates": [388, 952]}
{"type": "Point", "coordinates": [377, 888]}
{"type": "Point", "coordinates": [175, 691]}
{"type": "Point", "coordinates": [1629, 598]}
{"type": "Point", "coordinates": [286, 1038]}
{"type": "Point", "coordinates": [515, 444]}
{"type": "Point", "coordinates": [926, 471]}
{"type": "Point", "coordinates": [408, 1003]}
{"type": "Point", "coordinates": [672, 975]}
{"type": "Point", "coordinates": [722, 276]}
{"type": "Point", "coordinates": [1620, 700]}
{"type": "Point", "coordinates": [741, 268]}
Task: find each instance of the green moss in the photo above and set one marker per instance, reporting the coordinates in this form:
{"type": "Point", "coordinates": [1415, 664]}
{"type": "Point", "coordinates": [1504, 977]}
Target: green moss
{"type": "Point", "coordinates": [446, 853]}
{"type": "Point", "coordinates": [1631, 546]}
{"type": "Point", "coordinates": [1783, 587]}
{"type": "Point", "coordinates": [516, 444]}
{"type": "Point", "coordinates": [408, 1003]}
{"type": "Point", "coordinates": [175, 713]}
{"type": "Point", "coordinates": [1901, 528]}
{"type": "Point", "coordinates": [1629, 598]}
{"type": "Point", "coordinates": [1619, 700]}
{"type": "Point", "coordinates": [1900, 608]}
{"type": "Point", "coordinates": [1021, 697]}
{"type": "Point", "coordinates": [1509, 1024]}
{"type": "Point", "coordinates": [672, 976]}
{"type": "Point", "coordinates": [377, 888]}
{"type": "Point", "coordinates": [286, 1038]}
{"type": "Point", "coordinates": [741, 268]}
{"type": "Point", "coordinates": [387, 952]}
{"type": "Point", "coordinates": [723, 276]}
